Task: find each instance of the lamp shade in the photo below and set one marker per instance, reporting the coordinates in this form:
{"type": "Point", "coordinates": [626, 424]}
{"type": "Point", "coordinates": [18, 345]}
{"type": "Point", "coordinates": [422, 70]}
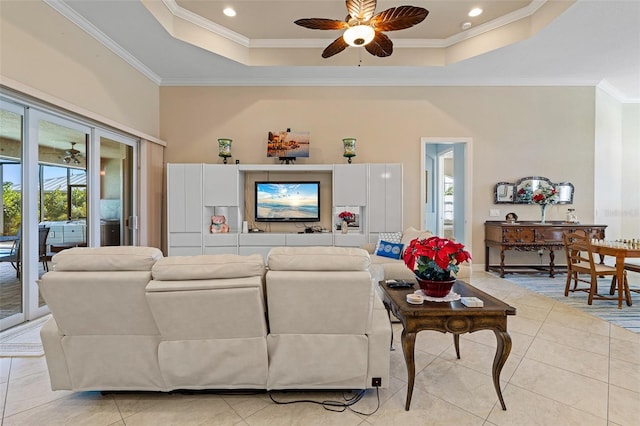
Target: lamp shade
{"type": "Point", "coordinates": [359, 35]}
{"type": "Point", "coordinates": [349, 148]}
{"type": "Point", "coordinates": [224, 148]}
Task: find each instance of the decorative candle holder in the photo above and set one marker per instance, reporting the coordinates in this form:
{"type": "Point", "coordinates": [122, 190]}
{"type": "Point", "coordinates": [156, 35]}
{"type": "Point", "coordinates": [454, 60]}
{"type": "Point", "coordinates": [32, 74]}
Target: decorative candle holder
{"type": "Point", "coordinates": [349, 148]}
{"type": "Point", "coordinates": [224, 149]}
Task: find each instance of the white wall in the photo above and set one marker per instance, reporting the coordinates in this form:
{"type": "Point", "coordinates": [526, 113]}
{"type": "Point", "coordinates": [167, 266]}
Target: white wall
{"type": "Point", "coordinates": [630, 170]}
{"type": "Point", "coordinates": [516, 132]}
{"type": "Point", "coordinates": [607, 173]}
{"type": "Point", "coordinates": [41, 49]}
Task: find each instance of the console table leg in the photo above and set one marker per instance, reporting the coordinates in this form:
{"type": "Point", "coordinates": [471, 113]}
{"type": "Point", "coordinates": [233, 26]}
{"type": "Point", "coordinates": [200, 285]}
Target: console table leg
{"type": "Point", "coordinates": [408, 346]}
{"type": "Point", "coordinates": [456, 343]}
{"type": "Point", "coordinates": [552, 257]}
{"type": "Point", "coordinates": [501, 263]}
{"type": "Point", "coordinates": [502, 353]}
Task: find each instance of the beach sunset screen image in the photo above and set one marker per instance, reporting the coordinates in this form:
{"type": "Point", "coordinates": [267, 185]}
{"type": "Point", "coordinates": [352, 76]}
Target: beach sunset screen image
{"type": "Point", "coordinates": [287, 201]}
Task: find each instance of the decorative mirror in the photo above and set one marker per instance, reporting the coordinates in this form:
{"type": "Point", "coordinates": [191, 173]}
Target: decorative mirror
{"type": "Point", "coordinates": [504, 193]}
{"type": "Point", "coordinates": [521, 191]}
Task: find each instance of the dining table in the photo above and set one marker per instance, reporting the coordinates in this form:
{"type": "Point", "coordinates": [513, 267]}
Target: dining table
{"type": "Point", "coordinates": [620, 251]}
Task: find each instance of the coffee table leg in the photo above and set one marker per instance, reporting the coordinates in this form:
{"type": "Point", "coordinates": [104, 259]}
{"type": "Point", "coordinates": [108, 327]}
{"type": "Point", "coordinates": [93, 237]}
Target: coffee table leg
{"type": "Point", "coordinates": [391, 348]}
{"type": "Point", "coordinates": [502, 353]}
{"type": "Point", "coordinates": [408, 346]}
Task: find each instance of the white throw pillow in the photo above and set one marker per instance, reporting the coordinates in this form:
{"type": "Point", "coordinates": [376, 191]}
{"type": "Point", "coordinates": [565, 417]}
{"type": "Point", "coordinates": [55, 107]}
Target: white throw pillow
{"type": "Point", "coordinates": [411, 234]}
{"type": "Point", "coordinates": [390, 237]}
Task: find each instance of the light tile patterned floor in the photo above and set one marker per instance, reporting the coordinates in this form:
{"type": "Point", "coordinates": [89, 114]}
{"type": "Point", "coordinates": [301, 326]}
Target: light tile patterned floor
{"type": "Point", "coordinates": [566, 368]}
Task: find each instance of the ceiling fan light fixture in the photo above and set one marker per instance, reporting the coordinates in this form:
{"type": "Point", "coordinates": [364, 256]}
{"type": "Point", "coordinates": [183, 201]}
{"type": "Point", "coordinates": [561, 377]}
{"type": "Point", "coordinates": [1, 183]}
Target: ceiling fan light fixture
{"type": "Point", "coordinates": [359, 35]}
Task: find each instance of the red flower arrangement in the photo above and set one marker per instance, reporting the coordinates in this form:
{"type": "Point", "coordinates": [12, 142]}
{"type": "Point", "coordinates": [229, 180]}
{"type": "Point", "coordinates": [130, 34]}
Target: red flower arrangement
{"type": "Point", "coordinates": [435, 258]}
{"type": "Point", "coordinates": [347, 216]}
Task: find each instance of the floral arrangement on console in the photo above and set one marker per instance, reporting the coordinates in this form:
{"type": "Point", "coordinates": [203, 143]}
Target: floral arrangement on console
{"type": "Point", "coordinates": [435, 258]}
{"type": "Point", "coordinates": [347, 216]}
{"type": "Point", "coordinates": [543, 194]}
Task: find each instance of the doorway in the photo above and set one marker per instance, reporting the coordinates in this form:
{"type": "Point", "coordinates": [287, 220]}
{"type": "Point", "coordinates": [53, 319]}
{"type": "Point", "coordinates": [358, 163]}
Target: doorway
{"type": "Point", "coordinates": [446, 188]}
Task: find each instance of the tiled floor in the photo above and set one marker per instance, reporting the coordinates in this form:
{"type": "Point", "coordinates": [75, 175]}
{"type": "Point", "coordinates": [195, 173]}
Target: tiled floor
{"type": "Point", "coordinates": [565, 368]}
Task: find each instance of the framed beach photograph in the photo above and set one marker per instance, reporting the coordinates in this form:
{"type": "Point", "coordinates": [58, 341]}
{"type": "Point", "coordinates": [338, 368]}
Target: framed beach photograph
{"type": "Point", "coordinates": [288, 144]}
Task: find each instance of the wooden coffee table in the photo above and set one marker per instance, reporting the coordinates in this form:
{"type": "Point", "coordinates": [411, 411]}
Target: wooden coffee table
{"type": "Point", "coordinates": [450, 317]}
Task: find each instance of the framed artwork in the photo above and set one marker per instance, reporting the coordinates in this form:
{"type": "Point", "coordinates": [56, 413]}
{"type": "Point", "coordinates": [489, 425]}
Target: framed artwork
{"type": "Point", "coordinates": [287, 144]}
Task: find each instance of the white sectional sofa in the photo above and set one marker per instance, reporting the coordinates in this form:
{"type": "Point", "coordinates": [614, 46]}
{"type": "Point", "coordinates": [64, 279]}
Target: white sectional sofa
{"type": "Point", "coordinates": [127, 318]}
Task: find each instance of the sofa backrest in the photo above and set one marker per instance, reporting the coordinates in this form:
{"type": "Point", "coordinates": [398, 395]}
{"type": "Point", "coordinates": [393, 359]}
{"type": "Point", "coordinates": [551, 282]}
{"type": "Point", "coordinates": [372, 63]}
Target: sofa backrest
{"type": "Point", "coordinates": [209, 297]}
{"type": "Point", "coordinates": [101, 290]}
{"type": "Point", "coordinates": [319, 290]}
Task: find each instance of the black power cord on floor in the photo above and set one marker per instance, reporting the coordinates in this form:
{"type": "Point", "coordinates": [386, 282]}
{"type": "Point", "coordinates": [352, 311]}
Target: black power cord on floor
{"type": "Point", "coordinates": [336, 406]}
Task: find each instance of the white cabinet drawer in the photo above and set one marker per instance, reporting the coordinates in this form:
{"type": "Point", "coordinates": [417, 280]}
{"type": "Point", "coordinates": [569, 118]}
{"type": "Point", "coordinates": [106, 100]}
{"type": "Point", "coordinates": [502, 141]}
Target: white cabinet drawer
{"type": "Point", "coordinates": [184, 239]}
{"type": "Point", "coordinates": [262, 239]}
{"type": "Point", "coordinates": [325, 239]}
{"type": "Point", "coordinates": [221, 240]}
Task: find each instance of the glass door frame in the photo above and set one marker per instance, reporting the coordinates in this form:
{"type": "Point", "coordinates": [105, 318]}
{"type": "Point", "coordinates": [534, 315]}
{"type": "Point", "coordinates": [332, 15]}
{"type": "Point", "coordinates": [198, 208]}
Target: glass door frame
{"type": "Point", "coordinates": [20, 109]}
{"type": "Point", "coordinates": [30, 202]}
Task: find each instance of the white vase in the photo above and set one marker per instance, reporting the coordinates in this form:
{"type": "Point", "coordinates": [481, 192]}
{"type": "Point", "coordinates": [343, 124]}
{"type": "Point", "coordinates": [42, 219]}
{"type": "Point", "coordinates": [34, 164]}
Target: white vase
{"type": "Point", "coordinates": [543, 213]}
{"type": "Point", "coordinates": [344, 227]}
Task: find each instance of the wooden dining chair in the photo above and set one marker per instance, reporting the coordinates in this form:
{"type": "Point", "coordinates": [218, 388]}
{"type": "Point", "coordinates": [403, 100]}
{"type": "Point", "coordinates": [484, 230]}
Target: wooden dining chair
{"type": "Point", "coordinates": [580, 262]}
{"type": "Point", "coordinates": [634, 267]}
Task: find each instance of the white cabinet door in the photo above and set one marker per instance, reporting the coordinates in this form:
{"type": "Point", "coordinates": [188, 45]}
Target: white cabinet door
{"type": "Point", "coordinates": [350, 185]}
{"type": "Point", "coordinates": [221, 185]}
{"type": "Point", "coordinates": [184, 197]}
{"type": "Point", "coordinates": [184, 209]}
{"type": "Point", "coordinates": [393, 203]}
{"type": "Point", "coordinates": [385, 197]}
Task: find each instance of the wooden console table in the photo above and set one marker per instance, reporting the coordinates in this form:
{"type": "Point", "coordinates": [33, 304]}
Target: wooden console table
{"type": "Point", "coordinates": [531, 236]}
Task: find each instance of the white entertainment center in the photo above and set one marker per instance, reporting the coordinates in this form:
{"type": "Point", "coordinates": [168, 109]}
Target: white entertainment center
{"type": "Point", "coordinates": [196, 191]}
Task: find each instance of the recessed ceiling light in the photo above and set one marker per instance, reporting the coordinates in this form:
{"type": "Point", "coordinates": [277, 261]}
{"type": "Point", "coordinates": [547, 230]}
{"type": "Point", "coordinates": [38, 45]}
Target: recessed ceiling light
{"type": "Point", "coordinates": [475, 12]}
{"type": "Point", "coordinates": [465, 25]}
{"type": "Point", "coordinates": [229, 11]}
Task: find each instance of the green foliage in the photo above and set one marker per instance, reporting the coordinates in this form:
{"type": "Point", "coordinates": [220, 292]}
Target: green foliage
{"type": "Point", "coordinates": [78, 203]}
{"type": "Point", "coordinates": [55, 205]}
{"type": "Point", "coordinates": [449, 190]}
{"type": "Point", "coordinates": [11, 209]}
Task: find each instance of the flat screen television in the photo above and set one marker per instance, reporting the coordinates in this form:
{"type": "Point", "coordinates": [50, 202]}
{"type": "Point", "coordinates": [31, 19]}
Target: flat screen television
{"type": "Point", "coordinates": [287, 201]}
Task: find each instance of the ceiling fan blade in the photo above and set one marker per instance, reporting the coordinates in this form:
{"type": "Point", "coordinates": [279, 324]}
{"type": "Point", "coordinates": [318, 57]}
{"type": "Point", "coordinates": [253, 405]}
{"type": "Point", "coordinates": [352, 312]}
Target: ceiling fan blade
{"type": "Point", "coordinates": [381, 45]}
{"type": "Point", "coordinates": [334, 48]}
{"type": "Point", "coordinates": [361, 9]}
{"type": "Point", "coordinates": [398, 18]}
{"type": "Point", "coordinates": [322, 24]}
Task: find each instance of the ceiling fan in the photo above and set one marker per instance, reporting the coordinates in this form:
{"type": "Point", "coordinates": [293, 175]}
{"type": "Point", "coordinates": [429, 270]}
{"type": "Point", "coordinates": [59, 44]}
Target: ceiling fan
{"type": "Point", "coordinates": [363, 28]}
{"type": "Point", "coordinates": [72, 155]}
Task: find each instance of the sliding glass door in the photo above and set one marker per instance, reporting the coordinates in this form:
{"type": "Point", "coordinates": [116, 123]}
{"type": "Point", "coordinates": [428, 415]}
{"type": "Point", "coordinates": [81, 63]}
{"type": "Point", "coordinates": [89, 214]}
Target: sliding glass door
{"type": "Point", "coordinates": [65, 183]}
{"type": "Point", "coordinates": [11, 146]}
{"type": "Point", "coordinates": [58, 213]}
{"type": "Point", "coordinates": [118, 180]}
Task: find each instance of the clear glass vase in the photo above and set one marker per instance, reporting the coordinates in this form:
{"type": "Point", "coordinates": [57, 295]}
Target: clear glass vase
{"type": "Point", "coordinates": [543, 213]}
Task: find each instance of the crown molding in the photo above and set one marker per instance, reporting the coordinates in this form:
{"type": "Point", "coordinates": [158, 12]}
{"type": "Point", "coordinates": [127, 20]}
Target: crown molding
{"type": "Point", "coordinates": [66, 11]}
{"type": "Point", "coordinates": [612, 91]}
